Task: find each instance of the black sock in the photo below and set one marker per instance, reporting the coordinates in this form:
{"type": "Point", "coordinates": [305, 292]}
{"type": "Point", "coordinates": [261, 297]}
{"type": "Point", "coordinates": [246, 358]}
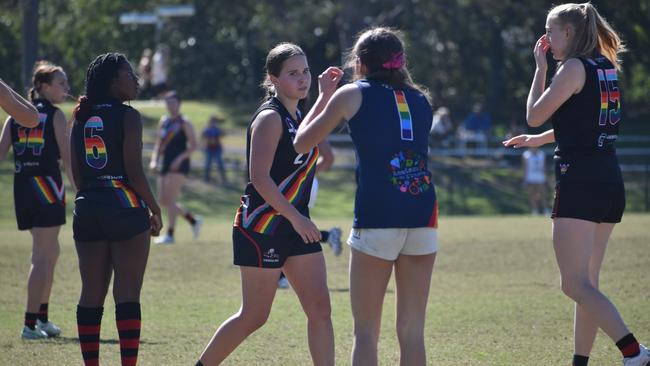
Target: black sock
{"type": "Point", "coordinates": [30, 320]}
{"type": "Point", "coordinates": [42, 313]}
{"type": "Point", "coordinates": [198, 363]}
{"type": "Point", "coordinates": [190, 218]}
{"type": "Point", "coordinates": [324, 235]}
{"type": "Point", "coordinates": [170, 232]}
{"type": "Point", "coordinates": [629, 346]}
{"type": "Point", "coordinates": [580, 360]}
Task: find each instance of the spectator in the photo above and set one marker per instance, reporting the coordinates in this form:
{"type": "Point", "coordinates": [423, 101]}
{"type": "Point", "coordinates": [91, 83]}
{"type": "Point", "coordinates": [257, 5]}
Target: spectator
{"type": "Point", "coordinates": [144, 72]}
{"type": "Point", "coordinates": [160, 70]}
{"type": "Point", "coordinates": [442, 128]}
{"type": "Point", "coordinates": [475, 128]}
{"type": "Point", "coordinates": [213, 149]}
{"type": "Point", "coordinates": [534, 164]}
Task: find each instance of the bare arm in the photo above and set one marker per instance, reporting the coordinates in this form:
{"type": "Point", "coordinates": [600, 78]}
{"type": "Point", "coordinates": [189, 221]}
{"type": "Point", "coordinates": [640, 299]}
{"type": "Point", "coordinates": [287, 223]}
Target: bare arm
{"type": "Point", "coordinates": [5, 139]}
{"type": "Point", "coordinates": [153, 164]}
{"type": "Point", "coordinates": [326, 158]}
{"type": "Point", "coordinates": [62, 140]}
{"type": "Point", "coordinates": [569, 80]}
{"type": "Point", "coordinates": [343, 105]}
{"type": "Point", "coordinates": [132, 151]}
{"type": "Point", "coordinates": [530, 140]}
{"type": "Point", "coordinates": [266, 131]}
{"type": "Point", "coordinates": [17, 106]}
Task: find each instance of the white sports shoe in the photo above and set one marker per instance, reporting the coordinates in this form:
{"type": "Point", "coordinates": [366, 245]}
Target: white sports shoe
{"type": "Point", "coordinates": [283, 283]}
{"type": "Point", "coordinates": [196, 228]}
{"type": "Point", "coordinates": [49, 328]}
{"type": "Point", "coordinates": [164, 239]}
{"type": "Point", "coordinates": [35, 333]}
{"type": "Point", "coordinates": [642, 359]}
{"type": "Point", "coordinates": [334, 240]}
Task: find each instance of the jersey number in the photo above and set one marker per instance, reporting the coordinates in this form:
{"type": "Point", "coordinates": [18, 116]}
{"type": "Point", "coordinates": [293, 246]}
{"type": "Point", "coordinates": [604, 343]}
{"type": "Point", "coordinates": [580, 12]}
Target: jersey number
{"type": "Point", "coordinates": [96, 156]}
{"type": "Point", "coordinates": [31, 137]}
{"type": "Point", "coordinates": [609, 93]}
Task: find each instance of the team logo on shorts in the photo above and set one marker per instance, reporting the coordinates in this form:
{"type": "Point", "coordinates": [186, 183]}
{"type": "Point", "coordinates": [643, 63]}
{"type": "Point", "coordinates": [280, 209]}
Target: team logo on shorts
{"type": "Point", "coordinates": [564, 168]}
{"type": "Point", "coordinates": [270, 256]}
{"type": "Point", "coordinates": [409, 173]}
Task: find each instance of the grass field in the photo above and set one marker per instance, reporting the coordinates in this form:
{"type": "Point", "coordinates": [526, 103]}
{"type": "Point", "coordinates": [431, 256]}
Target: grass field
{"type": "Point", "coordinates": [495, 299]}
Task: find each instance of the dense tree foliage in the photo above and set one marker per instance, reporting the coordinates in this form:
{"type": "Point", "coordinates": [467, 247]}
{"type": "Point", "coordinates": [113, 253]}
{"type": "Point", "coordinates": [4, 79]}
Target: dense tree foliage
{"type": "Point", "coordinates": [462, 50]}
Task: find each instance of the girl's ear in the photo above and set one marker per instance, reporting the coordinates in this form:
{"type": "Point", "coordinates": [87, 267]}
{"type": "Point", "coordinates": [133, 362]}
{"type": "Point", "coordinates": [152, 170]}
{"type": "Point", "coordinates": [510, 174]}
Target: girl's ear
{"type": "Point", "coordinates": [274, 80]}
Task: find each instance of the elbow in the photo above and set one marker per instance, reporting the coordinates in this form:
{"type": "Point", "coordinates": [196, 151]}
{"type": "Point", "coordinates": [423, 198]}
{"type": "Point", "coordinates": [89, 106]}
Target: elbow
{"type": "Point", "coordinates": [533, 120]}
{"type": "Point", "coordinates": [301, 146]}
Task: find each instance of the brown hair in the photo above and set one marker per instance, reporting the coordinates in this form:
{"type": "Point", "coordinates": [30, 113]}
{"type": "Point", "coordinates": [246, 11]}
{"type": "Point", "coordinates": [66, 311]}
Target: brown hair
{"type": "Point", "coordinates": [592, 33]}
{"type": "Point", "coordinates": [381, 51]}
{"type": "Point", "coordinates": [44, 72]}
{"type": "Point", "coordinates": [274, 62]}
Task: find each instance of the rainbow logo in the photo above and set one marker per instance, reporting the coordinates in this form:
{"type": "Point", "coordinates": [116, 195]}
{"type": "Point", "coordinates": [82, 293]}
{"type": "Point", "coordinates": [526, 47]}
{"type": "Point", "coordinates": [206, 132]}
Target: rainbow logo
{"type": "Point", "coordinates": [293, 188]}
{"type": "Point", "coordinates": [96, 156]}
{"type": "Point", "coordinates": [126, 195]}
{"type": "Point", "coordinates": [43, 190]}
{"type": "Point", "coordinates": [404, 114]}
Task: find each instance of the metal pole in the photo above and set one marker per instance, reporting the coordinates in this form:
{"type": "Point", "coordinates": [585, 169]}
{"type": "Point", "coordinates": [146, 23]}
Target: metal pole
{"type": "Point", "coordinates": [30, 39]}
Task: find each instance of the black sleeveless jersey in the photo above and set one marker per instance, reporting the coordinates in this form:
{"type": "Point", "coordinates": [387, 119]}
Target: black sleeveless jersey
{"type": "Point", "coordinates": [292, 172]}
{"type": "Point", "coordinates": [172, 139]}
{"type": "Point", "coordinates": [36, 152]}
{"type": "Point", "coordinates": [588, 122]}
{"type": "Point", "coordinates": [98, 145]}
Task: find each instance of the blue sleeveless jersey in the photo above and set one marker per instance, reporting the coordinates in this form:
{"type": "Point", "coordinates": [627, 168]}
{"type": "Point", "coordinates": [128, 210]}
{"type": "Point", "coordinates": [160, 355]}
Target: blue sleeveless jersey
{"type": "Point", "coordinates": [390, 134]}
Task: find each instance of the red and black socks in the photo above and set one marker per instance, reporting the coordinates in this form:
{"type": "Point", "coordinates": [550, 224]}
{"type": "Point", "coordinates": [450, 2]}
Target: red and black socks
{"type": "Point", "coordinates": [190, 218]}
{"type": "Point", "coordinates": [629, 346]}
{"type": "Point", "coordinates": [579, 360]}
{"type": "Point", "coordinates": [89, 322]}
{"type": "Point", "coordinates": [127, 316]}
{"type": "Point", "coordinates": [42, 313]}
{"type": "Point", "coordinates": [30, 320]}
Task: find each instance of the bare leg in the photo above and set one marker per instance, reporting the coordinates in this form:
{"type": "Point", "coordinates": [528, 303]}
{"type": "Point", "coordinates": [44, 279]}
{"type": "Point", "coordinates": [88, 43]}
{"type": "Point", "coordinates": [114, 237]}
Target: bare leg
{"type": "Point", "coordinates": [586, 328]}
{"type": "Point", "coordinates": [129, 259]}
{"type": "Point", "coordinates": [368, 280]}
{"type": "Point", "coordinates": [45, 252]}
{"type": "Point", "coordinates": [413, 280]}
{"type": "Point", "coordinates": [258, 290]}
{"type": "Point", "coordinates": [96, 270]}
{"type": "Point", "coordinates": [308, 276]}
{"type": "Point", "coordinates": [573, 241]}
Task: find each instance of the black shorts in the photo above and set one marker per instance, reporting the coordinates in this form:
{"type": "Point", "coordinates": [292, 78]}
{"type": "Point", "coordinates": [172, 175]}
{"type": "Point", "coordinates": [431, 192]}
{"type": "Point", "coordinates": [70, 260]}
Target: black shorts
{"type": "Point", "coordinates": [39, 201]}
{"type": "Point", "coordinates": [183, 169]}
{"type": "Point", "coordinates": [589, 187]}
{"type": "Point", "coordinates": [253, 249]}
{"type": "Point", "coordinates": [591, 201]}
{"type": "Point", "coordinates": [100, 216]}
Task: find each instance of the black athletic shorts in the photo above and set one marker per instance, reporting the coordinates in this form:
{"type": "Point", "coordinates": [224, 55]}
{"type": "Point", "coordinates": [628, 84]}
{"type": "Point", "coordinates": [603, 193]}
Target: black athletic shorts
{"type": "Point", "coordinates": [253, 249]}
{"type": "Point", "coordinates": [590, 189]}
{"type": "Point", "coordinates": [101, 215]}
{"type": "Point", "coordinates": [39, 201]}
{"type": "Point", "coordinates": [183, 169]}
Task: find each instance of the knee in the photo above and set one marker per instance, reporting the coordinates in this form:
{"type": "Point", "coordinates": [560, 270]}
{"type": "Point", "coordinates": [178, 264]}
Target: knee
{"type": "Point", "coordinates": [253, 320]}
{"type": "Point", "coordinates": [410, 332]}
{"type": "Point", "coordinates": [319, 309]}
{"type": "Point", "coordinates": [365, 333]}
{"type": "Point", "coordinates": [576, 288]}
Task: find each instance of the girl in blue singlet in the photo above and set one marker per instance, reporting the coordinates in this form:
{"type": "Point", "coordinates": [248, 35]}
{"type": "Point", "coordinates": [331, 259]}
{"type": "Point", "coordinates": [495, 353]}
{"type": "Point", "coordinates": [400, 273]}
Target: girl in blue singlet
{"type": "Point", "coordinates": [583, 103]}
{"type": "Point", "coordinates": [395, 211]}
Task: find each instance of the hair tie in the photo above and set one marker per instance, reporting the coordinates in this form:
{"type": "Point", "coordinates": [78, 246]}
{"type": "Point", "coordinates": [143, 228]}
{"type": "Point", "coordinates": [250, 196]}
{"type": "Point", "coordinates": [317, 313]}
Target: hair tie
{"type": "Point", "coordinates": [396, 62]}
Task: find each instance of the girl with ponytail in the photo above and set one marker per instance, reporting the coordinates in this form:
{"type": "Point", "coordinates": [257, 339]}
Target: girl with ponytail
{"type": "Point", "coordinates": [39, 193]}
{"type": "Point", "coordinates": [583, 103]}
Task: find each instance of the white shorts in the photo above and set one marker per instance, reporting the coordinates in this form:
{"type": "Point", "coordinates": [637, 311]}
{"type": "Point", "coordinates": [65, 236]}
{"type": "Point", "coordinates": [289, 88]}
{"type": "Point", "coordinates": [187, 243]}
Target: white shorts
{"type": "Point", "coordinates": [389, 243]}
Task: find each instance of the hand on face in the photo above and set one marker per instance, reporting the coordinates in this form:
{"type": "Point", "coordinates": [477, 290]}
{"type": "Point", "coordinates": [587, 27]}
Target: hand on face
{"type": "Point", "coordinates": [541, 47]}
{"type": "Point", "coordinates": [329, 79]}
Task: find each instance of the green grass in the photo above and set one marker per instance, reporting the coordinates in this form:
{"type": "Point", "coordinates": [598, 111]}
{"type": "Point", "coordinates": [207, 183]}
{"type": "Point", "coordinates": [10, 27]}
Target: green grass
{"type": "Point", "coordinates": [495, 299]}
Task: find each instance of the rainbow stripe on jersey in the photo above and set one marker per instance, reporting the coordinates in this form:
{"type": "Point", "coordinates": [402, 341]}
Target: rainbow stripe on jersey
{"type": "Point", "coordinates": [126, 195]}
{"type": "Point", "coordinates": [264, 219]}
{"type": "Point", "coordinates": [404, 114]}
{"type": "Point", "coordinates": [47, 190]}
{"type": "Point", "coordinates": [96, 156]}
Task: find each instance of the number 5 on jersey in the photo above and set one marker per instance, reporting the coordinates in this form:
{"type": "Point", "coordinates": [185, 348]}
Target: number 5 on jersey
{"type": "Point", "coordinates": [96, 156]}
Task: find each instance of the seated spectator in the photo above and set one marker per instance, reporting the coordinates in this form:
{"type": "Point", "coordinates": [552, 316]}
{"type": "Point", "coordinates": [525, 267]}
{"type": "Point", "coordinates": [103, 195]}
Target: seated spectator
{"type": "Point", "coordinates": [475, 128]}
{"type": "Point", "coordinates": [442, 128]}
